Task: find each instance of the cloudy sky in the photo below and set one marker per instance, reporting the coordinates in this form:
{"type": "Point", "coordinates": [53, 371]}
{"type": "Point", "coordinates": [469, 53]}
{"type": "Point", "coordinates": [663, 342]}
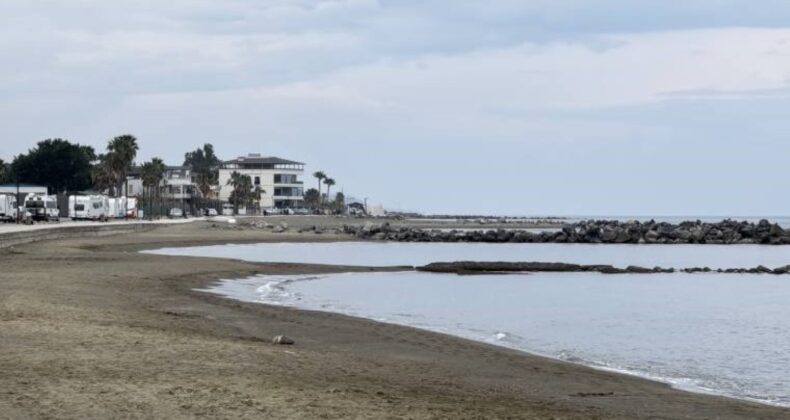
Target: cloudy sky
{"type": "Point", "coordinates": [593, 107]}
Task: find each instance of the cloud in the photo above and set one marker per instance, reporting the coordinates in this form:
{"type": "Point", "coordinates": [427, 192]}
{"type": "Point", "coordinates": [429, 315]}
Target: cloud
{"type": "Point", "coordinates": [635, 69]}
{"type": "Point", "coordinates": [477, 96]}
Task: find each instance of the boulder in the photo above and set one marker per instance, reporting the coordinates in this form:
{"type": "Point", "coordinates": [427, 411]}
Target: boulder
{"type": "Point", "coordinates": [283, 340]}
{"type": "Point", "coordinates": [637, 269]}
{"type": "Point", "coordinates": [368, 227]}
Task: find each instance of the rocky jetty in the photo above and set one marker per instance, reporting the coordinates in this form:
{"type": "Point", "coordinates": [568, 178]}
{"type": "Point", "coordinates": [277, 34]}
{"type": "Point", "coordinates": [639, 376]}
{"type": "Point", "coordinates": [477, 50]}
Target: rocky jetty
{"type": "Point", "coordinates": [593, 231]}
{"type": "Point", "coordinates": [482, 267]}
{"type": "Point", "coordinates": [477, 267]}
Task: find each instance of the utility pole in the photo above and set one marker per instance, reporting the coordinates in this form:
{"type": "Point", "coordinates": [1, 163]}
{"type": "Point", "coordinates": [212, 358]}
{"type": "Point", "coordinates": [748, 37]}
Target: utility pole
{"type": "Point", "coordinates": [16, 178]}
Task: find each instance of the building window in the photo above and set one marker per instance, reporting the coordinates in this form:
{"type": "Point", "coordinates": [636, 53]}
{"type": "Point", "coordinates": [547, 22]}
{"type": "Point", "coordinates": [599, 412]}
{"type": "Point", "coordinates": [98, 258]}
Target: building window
{"type": "Point", "coordinates": [285, 179]}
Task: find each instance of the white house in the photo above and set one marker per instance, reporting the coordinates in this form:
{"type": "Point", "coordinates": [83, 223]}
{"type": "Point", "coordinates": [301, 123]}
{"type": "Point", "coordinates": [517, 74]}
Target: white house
{"type": "Point", "coordinates": [280, 180]}
{"type": "Point", "coordinates": [177, 183]}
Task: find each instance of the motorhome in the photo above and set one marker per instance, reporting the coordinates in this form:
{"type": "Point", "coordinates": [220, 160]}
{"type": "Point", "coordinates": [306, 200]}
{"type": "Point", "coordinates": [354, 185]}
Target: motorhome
{"type": "Point", "coordinates": [117, 208]}
{"type": "Point", "coordinates": [42, 207]}
{"type": "Point", "coordinates": [89, 207]}
{"type": "Point", "coordinates": [8, 209]}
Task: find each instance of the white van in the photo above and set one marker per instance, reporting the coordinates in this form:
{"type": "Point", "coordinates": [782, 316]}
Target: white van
{"type": "Point", "coordinates": [8, 208]}
{"type": "Point", "coordinates": [42, 207]}
{"type": "Point", "coordinates": [89, 207]}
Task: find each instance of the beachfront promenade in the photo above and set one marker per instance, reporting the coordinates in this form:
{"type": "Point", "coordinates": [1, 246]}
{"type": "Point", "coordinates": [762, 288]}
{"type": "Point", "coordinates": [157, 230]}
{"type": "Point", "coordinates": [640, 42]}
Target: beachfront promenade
{"type": "Point", "coordinates": [12, 228]}
{"type": "Point", "coordinates": [13, 234]}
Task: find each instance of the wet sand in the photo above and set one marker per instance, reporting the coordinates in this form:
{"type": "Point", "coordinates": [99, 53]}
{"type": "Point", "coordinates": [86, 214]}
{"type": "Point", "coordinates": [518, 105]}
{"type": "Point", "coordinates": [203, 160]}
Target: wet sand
{"type": "Point", "coordinates": [89, 328]}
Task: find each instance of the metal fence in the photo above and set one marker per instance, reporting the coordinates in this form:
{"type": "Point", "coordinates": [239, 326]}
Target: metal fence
{"type": "Point", "coordinates": [153, 207]}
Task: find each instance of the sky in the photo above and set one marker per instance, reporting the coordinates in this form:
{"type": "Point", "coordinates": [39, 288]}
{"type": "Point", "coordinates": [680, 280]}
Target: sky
{"type": "Point", "coordinates": [522, 107]}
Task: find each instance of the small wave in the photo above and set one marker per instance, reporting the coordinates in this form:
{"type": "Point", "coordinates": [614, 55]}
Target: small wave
{"type": "Point", "coordinates": [272, 291]}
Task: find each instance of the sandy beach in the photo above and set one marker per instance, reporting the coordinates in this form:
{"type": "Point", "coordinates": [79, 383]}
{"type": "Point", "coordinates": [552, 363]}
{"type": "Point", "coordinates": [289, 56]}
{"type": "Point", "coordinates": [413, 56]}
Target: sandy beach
{"type": "Point", "coordinates": [91, 328]}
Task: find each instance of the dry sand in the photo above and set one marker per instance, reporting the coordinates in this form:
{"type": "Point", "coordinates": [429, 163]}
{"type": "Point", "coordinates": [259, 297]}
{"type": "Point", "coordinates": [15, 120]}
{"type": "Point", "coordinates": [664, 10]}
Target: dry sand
{"type": "Point", "coordinates": [89, 328]}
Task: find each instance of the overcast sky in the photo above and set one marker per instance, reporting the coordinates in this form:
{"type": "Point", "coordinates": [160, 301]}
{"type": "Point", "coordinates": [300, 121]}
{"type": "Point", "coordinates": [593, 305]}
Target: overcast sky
{"type": "Point", "coordinates": [592, 107]}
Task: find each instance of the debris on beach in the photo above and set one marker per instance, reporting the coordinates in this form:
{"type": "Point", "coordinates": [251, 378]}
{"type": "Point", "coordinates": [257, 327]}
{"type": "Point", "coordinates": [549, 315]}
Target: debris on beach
{"type": "Point", "coordinates": [283, 340]}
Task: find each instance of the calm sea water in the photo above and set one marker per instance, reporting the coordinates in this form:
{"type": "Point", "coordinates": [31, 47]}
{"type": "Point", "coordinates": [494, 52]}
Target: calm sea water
{"type": "Point", "coordinates": [716, 333]}
{"type": "Point", "coordinates": [719, 333]}
{"type": "Point", "coordinates": [394, 254]}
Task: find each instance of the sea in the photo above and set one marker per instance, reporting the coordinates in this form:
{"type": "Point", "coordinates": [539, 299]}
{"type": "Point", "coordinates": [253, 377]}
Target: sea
{"type": "Point", "coordinates": [724, 334]}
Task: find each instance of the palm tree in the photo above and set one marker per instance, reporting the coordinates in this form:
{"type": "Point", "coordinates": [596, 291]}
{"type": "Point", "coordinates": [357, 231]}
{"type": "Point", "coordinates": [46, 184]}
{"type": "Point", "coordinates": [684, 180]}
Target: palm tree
{"type": "Point", "coordinates": [102, 175]}
{"type": "Point", "coordinates": [121, 151]}
{"type": "Point", "coordinates": [329, 182]}
{"type": "Point", "coordinates": [5, 172]}
{"type": "Point", "coordinates": [320, 176]}
{"type": "Point", "coordinates": [256, 195]}
{"type": "Point", "coordinates": [205, 179]}
{"type": "Point", "coordinates": [242, 188]}
{"type": "Point", "coordinates": [152, 173]}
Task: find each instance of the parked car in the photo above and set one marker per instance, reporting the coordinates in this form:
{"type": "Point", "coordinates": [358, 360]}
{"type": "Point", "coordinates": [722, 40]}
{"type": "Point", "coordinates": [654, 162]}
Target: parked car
{"type": "Point", "coordinates": [210, 212]}
{"type": "Point", "coordinates": [227, 209]}
{"type": "Point", "coordinates": [176, 212]}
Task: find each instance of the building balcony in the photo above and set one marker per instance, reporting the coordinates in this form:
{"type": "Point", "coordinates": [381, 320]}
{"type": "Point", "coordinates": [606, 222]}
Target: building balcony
{"type": "Point", "coordinates": [178, 196]}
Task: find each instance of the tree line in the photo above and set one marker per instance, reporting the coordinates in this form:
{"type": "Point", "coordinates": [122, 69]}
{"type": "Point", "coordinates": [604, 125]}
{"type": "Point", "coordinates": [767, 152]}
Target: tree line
{"type": "Point", "coordinates": [314, 198]}
{"type": "Point", "coordinates": [62, 166]}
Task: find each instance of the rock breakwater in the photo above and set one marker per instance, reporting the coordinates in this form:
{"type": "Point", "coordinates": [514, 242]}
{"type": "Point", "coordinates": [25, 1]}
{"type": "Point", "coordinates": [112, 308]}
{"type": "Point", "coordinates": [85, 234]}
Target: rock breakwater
{"type": "Point", "coordinates": [594, 231]}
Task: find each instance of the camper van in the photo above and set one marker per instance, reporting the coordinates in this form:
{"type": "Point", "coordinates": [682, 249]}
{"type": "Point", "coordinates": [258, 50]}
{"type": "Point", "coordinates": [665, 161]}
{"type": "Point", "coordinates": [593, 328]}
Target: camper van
{"type": "Point", "coordinates": [8, 208]}
{"type": "Point", "coordinates": [89, 207]}
{"type": "Point", "coordinates": [117, 208]}
{"type": "Point", "coordinates": [42, 207]}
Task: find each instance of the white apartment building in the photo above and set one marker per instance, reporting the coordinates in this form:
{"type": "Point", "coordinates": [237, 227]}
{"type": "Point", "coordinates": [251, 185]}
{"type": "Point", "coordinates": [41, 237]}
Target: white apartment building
{"type": "Point", "coordinates": [279, 179]}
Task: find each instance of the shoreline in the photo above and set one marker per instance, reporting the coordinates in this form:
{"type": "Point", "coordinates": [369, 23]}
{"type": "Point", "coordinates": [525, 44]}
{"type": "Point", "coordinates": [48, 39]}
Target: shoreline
{"type": "Point", "coordinates": [213, 288]}
{"type": "Point", "coordinates": [79, 314]}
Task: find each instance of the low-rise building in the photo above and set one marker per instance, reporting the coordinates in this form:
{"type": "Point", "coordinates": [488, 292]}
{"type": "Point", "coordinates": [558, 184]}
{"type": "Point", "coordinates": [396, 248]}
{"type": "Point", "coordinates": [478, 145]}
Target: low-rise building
{"type": "Point", "coordinates": [177, 183]}
{"type": "Point", "coordinates": [280, 180]}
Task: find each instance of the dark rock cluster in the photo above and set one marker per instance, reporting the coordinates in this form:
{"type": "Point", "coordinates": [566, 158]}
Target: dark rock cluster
{"type": "Point", "coordinates": [594, 231]}
{"type": "Point", "coordinates": [477, 267]}
{"type": "Point", "coordinates": [481, 267]}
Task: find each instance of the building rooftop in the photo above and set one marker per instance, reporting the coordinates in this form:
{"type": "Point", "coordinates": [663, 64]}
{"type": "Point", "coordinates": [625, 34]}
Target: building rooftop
{"type": "Point", "coordinates": [137, 170]}
{"type": "Point", "coordinates": [21, 185]}
{"type": "Point", "coordinates": [256, 159]}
